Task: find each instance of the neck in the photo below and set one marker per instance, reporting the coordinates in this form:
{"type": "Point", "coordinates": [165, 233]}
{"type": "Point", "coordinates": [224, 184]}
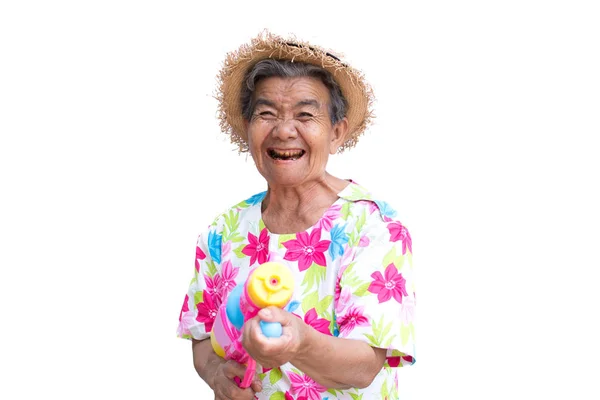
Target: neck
{"type": "Point", "coordinates": [295, 209]}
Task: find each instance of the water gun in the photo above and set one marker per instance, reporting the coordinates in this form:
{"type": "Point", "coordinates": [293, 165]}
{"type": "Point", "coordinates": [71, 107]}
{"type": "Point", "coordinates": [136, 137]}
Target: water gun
{"type": "Point", "coordinates": [270, 284]}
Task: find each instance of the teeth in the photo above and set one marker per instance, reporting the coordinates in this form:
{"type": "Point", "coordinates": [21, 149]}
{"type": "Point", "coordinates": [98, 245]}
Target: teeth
{"type": "Point", "coordinates": [286, 154]}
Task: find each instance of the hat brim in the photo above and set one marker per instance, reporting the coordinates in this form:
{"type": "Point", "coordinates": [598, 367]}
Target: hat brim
{"type": "Point", "coordinates": [355, 89]}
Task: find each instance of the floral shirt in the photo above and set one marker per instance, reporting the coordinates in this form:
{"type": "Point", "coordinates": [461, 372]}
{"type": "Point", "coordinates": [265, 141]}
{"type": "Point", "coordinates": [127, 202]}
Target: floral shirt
{"type": "Point", "coordinates": [353, 272]}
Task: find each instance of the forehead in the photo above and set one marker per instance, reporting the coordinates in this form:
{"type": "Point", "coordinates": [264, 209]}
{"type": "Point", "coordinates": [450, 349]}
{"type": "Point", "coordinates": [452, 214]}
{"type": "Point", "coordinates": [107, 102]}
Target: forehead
{"type": "Point", "coordinates": [284, 90]}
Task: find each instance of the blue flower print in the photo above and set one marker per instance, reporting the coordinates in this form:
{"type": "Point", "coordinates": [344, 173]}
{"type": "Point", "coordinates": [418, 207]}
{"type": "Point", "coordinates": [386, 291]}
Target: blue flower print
{"type": "Point", "coordinates": [292, 306]}
{"type": "Point", "coordinates": [257, 198]}
{"type": "Point", "coordinates": [338, 239]}
{"type": "Point", "coordinates": [385, 209]}
{"type": "Point", "coordinates": [214, 246]}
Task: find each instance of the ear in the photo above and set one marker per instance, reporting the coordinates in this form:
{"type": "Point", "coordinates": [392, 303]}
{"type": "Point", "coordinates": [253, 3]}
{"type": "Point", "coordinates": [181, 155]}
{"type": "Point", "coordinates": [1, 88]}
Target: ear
{"type": "Point", "coordinates": [338, 137]}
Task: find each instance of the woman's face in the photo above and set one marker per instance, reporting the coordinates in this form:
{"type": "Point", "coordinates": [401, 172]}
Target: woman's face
{"type": "Point", "coordinates": [290, 135]}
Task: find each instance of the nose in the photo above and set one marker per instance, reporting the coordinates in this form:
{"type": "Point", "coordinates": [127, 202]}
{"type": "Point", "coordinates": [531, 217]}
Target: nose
{"type": "Point", "coordinates": [285, 130]}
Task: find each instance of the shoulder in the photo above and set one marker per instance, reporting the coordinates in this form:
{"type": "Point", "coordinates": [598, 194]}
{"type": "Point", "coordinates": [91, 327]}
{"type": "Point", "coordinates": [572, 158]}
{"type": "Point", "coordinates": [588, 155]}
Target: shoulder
{"type": "Point", "coordinates": [374, 217]}
{"type": "Point", "coordinates": [237, 212]}
{"type": "Point", "coordinates": [359, 199]}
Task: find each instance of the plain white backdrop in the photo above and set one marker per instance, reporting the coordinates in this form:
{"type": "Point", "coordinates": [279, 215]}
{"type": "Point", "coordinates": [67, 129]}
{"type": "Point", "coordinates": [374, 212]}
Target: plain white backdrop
{"type": "Point", "coordinates": [111, 163]}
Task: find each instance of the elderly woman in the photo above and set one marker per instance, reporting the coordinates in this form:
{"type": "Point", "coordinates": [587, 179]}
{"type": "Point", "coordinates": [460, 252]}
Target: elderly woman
{"type": "Point", "coordinates": [350, 323]}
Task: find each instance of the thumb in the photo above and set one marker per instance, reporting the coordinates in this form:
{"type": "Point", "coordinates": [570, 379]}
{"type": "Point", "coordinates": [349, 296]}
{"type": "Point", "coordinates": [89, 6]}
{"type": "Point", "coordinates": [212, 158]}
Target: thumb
{"type": "Point", "coordinates": [274, 314]}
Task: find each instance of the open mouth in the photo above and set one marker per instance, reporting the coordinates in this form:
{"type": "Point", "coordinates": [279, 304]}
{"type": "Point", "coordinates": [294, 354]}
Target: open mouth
{"type": "Point", "coordinates": [285, 154]}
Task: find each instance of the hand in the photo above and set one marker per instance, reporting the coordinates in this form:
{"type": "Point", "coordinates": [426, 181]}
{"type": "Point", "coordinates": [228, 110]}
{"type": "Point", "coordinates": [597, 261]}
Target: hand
{"type": "Point", "coordinates": [225, 387]}
{"type": "Point", "coordinates": [274, 352]}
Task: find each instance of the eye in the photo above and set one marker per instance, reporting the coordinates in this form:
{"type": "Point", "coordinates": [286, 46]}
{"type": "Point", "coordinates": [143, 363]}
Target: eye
{"type": "Point", "coordinates": [265, 114]}
{"type": "Point", "coordinates": [305, 115]}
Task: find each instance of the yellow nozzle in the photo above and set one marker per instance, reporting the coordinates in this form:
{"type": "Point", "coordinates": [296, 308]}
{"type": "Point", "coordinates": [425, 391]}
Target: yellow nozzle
{"type": "Point", "coordinates": [271, 284]}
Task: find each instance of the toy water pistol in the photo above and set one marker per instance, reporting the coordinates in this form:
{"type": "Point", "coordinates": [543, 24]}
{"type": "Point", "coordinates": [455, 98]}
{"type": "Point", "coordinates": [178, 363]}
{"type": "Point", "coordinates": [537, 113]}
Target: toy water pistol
{"type": "Point", "coordinates": [270, 284]}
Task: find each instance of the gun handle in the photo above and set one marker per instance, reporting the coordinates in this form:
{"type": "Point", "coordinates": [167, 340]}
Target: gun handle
{"type": "Point", "coordinates": [249, 375]}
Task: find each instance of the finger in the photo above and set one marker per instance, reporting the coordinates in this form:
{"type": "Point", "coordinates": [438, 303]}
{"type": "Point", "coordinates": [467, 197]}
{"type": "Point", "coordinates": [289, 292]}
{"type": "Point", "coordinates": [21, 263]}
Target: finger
{"type": "Point", "coordinates": [275, 314]}
{"type": "Point", "coordinates": [231, 369]}
{"type": "Point", "coordinates": [256, 384]}
{"type": "Point", "coordinates": [234, 393]}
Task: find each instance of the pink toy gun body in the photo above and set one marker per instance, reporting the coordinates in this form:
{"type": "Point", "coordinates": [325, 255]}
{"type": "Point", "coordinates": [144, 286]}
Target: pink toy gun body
{"type": "Point", "coordinates": [270, 284]}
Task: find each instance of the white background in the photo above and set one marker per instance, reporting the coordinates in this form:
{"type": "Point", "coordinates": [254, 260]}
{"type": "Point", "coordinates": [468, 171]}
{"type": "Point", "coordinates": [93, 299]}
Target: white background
{"type": "Point", "coordinates": [111, 163]}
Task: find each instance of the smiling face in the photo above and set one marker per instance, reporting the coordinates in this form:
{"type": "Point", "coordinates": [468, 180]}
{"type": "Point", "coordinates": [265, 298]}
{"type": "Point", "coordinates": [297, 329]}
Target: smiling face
{"type": "Point", "coordinates": [290, 135]}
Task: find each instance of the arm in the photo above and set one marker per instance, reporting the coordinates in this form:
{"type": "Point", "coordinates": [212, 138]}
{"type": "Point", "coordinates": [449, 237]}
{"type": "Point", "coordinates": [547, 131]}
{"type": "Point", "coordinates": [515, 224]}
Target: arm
{"type": "Point", "coordinates": [356, 363]}
{"type": "Point", "coordinates": [335, 363]}
{"type": "Point", "coordinates": [219, 374]}
{"type": "Point", "coordinates": [206, 360]}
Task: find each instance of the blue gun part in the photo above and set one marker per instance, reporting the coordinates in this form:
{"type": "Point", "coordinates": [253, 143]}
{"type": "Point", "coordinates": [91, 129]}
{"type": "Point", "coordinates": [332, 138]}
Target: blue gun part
{"type": "Point", "coordinates": [234, 313]}
{"type": "Point", "coordinates": [271, 329]}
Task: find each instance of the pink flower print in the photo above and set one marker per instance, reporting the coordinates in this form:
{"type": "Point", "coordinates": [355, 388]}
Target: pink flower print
{"type": "Point", "coordinates": [225, 250]}
{"type": "Point", "coordinates": [392, 285]}
{"type": "Point", "coordinates": [343, 300]}
{"type": "Point", "coordinates": [288, 396]}
{"type": "Point", "coordinates": [227, 282]}
{"type": "Point", "coordinates": [257, 248]}
{"type": "Point", "coordinates": [407, 312]}
{"type": "Point", "coordinates": [274, 256]}
{"type": "Point", "coordinates": [399, 232]}
{"type": "Point", "coordinates": [213, 287]}
{"type": "Point", "coordinates": [353, 317]}
{"type": "Point", "coordinates": [364, 241]}
{"type": "Point", "coordinates": [307, 250]}
{"type": "Point", "coordinates": [207, 311]}
{"type": "Point", "coordinates": [186, 318]}
{"type": "Point", "coordinates": [393, 361]}
{"type": "Point", "coordinates": [185, 307]}
{"type": "Point", "coordinates": [371, 205]}
{"type": "Point", "coordinates": [199, 256]}
{"type": "Point", "coordinates": [326, 221]}
{"type": "Point", "coordinates": [320, 324]}
{"type": "Point", "coordinates": [304, 387]}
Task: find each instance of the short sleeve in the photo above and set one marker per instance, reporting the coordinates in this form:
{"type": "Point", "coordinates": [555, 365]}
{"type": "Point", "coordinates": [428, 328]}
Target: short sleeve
{"type": "Point", "coordinates": [375, 302]}
{"type": "Point", "coordinates": [203, 297]}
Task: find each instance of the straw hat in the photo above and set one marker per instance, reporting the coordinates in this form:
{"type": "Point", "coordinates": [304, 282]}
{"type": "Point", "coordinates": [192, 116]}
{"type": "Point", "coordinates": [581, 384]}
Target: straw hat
{"type": "Point", "coordinates": [355, 89]}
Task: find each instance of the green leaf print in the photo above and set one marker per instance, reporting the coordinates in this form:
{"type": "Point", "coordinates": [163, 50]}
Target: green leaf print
{"type": "Point", "coordinates": [394, 392]}
{"type": "Point", "coordinates": [353, 239]}
{"type": "Point", "coordinates": [212, 268]}
{"type": "Point", "coordinates": [277, 396]}
{"type": "Point", "coordinates": [238, 251]}
{"type": "Point", "coordinates": [285, 238]}
{"type": "Point", "coordinates": [356, 396]}
{"type": "Point", "coordinates": [359, 192]}
{"type": "Point", "coordinates": [379, 332]}
{"type": "Point", "coordinates": [310, 301]}
{"type": "Point", "coordinates": [345, 211]}
{"type": "Point", "coordinates": [361, 221]}
{"type": "Point", "coordinates": [261, 225]}
{"type": "Point", "coordinates": [275, 375]}
{"type": "Point", "coordinates": [198, 296]}
{"type": "Point", "coordinates": [406, 331]}
{"type": "Point", "coordinates": [384, 391]}
{"type": "Point", "coordinates": [363, 289]}
{"type": "Point", "coordinates": [392, 258]}
{"type": "Point", "coordinates": [349, 278]}
{"type": "Point", "coordinates": [313, 276]}
{"type": "Point", "coordinates": [232, 224]}
{"type": "Point", "coordinates": [324, 304]}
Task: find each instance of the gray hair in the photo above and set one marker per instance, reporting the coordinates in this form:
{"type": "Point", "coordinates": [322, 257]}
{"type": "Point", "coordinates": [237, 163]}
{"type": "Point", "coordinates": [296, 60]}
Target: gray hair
{"type": "Point", "coordinates": [288, 69]}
